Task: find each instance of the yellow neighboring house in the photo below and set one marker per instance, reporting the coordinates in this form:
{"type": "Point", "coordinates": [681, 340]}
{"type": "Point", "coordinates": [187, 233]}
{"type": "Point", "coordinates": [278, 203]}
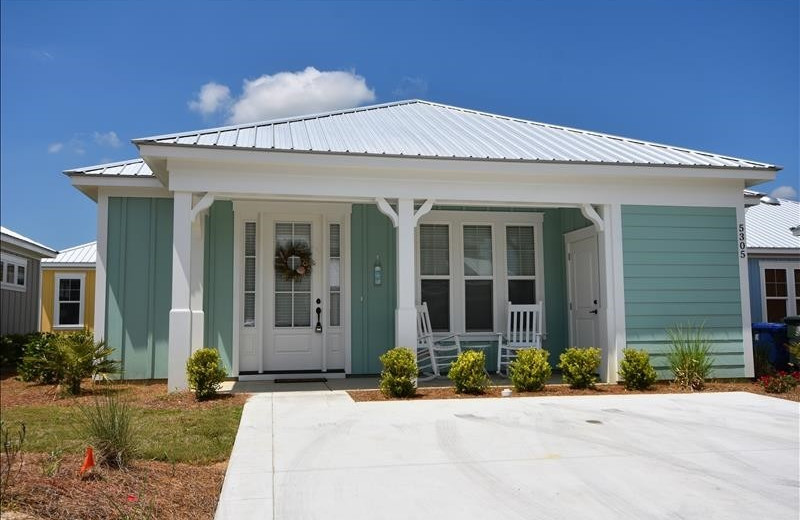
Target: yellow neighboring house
{"type": "Point", "coordinates": [68, 289]}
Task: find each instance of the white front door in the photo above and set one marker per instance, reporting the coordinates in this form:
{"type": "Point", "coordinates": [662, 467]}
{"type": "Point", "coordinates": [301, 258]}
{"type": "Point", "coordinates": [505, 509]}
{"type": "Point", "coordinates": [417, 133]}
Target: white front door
{"type": "Point", "coordinates": [584, 287]}
{"type": "Point", "coordinates": [293, 339]}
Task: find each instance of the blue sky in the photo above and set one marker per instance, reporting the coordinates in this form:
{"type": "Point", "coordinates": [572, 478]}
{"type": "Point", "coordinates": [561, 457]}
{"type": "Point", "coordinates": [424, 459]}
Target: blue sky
{"type": "Point", "coordinates": [81, 79]}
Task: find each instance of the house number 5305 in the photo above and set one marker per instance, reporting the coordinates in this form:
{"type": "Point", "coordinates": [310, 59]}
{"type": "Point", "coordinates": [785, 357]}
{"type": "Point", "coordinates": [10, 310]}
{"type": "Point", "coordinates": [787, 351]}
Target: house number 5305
{"type": "Point", "coordinates": [742, 242]}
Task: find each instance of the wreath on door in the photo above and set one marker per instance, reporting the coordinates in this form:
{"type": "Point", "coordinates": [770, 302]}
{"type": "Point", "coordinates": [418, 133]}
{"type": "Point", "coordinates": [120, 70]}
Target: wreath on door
{"type": "Point", "coordinates": [293, 260]}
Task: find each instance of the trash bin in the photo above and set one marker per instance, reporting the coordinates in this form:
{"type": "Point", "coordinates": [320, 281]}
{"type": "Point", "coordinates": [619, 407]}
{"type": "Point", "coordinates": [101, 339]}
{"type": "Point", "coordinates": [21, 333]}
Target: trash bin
{"type": "Point", "coordinates": [772, 337]}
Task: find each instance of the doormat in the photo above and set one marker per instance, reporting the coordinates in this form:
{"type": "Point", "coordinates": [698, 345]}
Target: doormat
{"type": "Point", "coordinates": [303, 380]}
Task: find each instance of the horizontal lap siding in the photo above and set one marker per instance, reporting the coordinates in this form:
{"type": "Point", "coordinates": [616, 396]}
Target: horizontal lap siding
{"type": "Point", "coordinates": [139, 284]}
{"type": "Point", "coordinates": [681, 266]}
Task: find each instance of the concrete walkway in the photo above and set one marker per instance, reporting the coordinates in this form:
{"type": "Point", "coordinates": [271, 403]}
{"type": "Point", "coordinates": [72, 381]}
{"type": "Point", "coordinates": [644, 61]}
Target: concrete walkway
{"type": "Point", "coordinates": [705, 456]}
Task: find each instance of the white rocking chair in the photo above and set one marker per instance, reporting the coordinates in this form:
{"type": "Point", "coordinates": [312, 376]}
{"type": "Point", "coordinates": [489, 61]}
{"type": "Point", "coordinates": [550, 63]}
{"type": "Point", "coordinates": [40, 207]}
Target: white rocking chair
{"type": "Point", "coordinates": [523, 330]}
{"type": "Point", "coordinates": [433, 353]}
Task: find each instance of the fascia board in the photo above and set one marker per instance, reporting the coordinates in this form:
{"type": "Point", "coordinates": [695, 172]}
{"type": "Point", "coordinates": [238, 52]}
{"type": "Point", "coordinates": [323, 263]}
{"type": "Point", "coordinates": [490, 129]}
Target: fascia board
{"type": "Point", "coordinates": [152, 152]}
{"type": "Point", "coordinates": [773, 251]}
{"type": "Point", "coordinates": [28, 248]}
{"type": "Point", "coordinates": [368, 185]}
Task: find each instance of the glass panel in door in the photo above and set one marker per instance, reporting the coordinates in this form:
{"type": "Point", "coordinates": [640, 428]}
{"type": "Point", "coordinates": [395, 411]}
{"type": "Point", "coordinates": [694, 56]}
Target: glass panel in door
{"type": "Point", "coordinates": [292, 296]}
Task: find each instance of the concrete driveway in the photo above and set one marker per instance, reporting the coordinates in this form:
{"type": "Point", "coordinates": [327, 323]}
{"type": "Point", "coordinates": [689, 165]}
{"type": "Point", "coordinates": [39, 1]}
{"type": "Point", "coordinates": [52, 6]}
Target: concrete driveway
{"type": "Point", "coordinates": [704, 456]}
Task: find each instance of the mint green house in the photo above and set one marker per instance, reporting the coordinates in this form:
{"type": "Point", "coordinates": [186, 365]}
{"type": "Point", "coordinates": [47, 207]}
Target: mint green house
{"type": "Point", "coordinates": [200, 240]}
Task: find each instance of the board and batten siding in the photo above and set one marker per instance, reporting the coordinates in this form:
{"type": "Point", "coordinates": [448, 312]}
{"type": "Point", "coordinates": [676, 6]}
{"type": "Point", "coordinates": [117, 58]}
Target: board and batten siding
{"type": "Point", "coordinates": [218, 281]}
{"type": "Point", "coordinates": [139, 284]}
{"type": "Point", "coordinates": [19, 310]}
{"type": "Point", "coordinates": [48, 298]}
{"type": "Point", "coordinates": [372, 306]}
{"type": "Point", "coordinates": [681, 266]}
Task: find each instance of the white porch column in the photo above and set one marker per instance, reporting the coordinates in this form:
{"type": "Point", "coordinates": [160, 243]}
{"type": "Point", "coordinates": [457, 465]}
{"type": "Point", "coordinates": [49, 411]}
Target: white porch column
{"type": "Point", "coordinates": [405, 220]}
{"type": "Point", "coordinates": [405, 319]}
{"type": "Point", "coordinates": [614, 289]}
{"type": "Point", "coordinates": [198, 256]}
{"type": "Point", "coordinates": [180, 315]}
{"type": "Point", "coordinates": [100, 268]}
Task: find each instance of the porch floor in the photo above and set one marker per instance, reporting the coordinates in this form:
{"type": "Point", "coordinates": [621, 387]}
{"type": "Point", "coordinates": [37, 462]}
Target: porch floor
{"type": "Point", "coordinates": [348, 383]}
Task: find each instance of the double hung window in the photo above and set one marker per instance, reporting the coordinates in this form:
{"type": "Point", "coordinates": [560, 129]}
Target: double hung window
{"type": "Point", "coordinates": [780, 284]}
{"type": "Point", "coordinates": [69, 299]}
{"type": "Point", "coordinates": [13, 271]}
{"type": "Point", "coordinates": [470, 264]}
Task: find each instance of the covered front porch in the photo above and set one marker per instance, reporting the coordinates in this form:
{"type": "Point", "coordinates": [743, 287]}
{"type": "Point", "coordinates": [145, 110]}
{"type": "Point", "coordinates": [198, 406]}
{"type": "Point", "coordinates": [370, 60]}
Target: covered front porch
{"type": "Point", "coordinates": [373, 261]}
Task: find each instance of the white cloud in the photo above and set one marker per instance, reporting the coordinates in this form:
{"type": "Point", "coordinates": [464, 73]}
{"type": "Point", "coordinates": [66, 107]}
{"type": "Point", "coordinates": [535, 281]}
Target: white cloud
{"type": "Point", "coordinates": [285, 94]}
{"type": "Point", "coordinates": [55, 147]}
{"type": "Point", "coordinates": [211, 98]}
{"type": "Point", "coordinates": [411, 88]}
{"type": "Point", "coordinates": [784, 192]}
{"type": "Point", "coordinates": [107, 139]}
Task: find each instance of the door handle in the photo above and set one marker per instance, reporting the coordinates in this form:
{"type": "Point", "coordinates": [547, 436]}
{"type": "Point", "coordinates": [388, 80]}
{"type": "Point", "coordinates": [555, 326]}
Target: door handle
{"type": "Point", "coordinates": [593, 312]}
{"type": "Point", "coordinates": [318, 327]}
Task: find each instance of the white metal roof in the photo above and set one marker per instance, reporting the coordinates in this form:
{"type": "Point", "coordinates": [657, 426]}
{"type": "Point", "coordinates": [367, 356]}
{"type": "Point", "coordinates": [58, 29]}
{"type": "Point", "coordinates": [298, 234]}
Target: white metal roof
{"type": "Point", "coordinates": [130, 168]}
{"type": "Point", "coordinates": [769, 227]}
{"type": "Point", "coordinates": [12, 237]}
{"type": "Point", "coordinates": [82, 255]}
{"type": "Point", "coordinates": [418, 128]}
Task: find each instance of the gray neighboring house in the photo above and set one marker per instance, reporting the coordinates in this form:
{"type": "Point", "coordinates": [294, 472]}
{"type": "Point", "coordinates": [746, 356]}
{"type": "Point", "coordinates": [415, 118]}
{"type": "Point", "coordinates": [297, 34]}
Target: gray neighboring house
{"type": "Point", "coordinates": [20, 259]}
{"type": "Point", "coordinates": [773, 253]}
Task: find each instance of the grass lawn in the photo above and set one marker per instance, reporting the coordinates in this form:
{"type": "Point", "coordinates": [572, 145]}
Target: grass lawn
{"type": "Point", "coordinates": [177, 436]}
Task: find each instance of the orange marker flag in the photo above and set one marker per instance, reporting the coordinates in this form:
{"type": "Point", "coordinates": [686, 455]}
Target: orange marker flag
{"type": "Point", "coordinates": [88, 462]}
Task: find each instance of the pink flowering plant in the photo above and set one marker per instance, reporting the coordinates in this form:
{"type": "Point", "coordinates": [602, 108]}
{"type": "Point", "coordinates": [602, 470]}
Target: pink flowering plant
{"type": "Point", "coordinates": [780, 383]}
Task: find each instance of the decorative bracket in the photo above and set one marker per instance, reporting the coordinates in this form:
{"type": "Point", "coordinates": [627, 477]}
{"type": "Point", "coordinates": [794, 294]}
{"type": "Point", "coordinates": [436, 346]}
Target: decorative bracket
{"type": "Point", "coordinates": [590, 213]}
{"type": "Point", "coordinates": [423, 210]}
{"type": "Point", "coordinates": [387, 210]}
{"type": "Point", "coordinates": [202, 205]}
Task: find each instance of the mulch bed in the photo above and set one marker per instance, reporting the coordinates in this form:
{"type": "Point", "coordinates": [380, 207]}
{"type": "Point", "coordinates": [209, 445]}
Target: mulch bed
{"type": "Point", "coordinates": [150, 394]}
{"type": "Point", "coordinates": [564, 390]}
{"type": "Point", "coordinates": [146, 489]}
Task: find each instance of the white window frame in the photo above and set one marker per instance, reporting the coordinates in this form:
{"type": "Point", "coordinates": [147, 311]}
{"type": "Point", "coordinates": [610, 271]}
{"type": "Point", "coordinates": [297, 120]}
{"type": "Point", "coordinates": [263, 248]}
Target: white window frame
{"type": "Point", "coordinates": [17, 262]}
{"type": "Point", "coordinates": [57, 301]}
{"type": "Point", "coordinates": [450, 259]}
{"type": "Point", "coordinates": [498, 220]}
{"type": "Point", "coordinates": [791, 296]}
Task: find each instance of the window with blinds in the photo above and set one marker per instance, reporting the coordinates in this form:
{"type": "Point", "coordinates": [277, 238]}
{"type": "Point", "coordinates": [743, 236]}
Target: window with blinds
{"type": "Point", "coordinates": [434, 251]}
{"type": "Point", "coordinates": [249, 293]}
{"type": "Point", "coordinates": [478, 278]}
{"type": "Point", "coordinates": [334, 275]}
{"type": "Point", "coordinates": [520, 264]}
{"type": "Point", "coordinates": [292, 297]}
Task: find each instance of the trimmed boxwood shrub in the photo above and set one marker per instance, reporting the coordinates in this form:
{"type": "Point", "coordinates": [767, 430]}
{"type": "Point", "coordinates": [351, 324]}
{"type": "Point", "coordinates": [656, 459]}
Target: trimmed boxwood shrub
{"type": "Point", "coordinates": [468, 373]}
{"type": "Point", "coordinates": [530, 371]}
{"type": "Point", "coordinates": [205, 373]}
{"type": "Point", "coordinates": [636, 371]}
{"type": "Point", "coordinates": [399, 374]}
{"type": "Point", "coordinates": [579, 366]}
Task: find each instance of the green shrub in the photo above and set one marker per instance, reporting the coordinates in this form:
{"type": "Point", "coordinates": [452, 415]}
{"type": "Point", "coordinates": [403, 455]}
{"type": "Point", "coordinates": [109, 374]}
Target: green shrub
{"type": "Point", "coordinates": [689, 357]}
{"type": "Point", "coordinates": [468, 373]}
{"type": "Point", "coordinates": [108, 426]}
{"type": "Point", "coordinates": [636, 371]}
{"type": "Point", "coordinates": [80, 357]}
{"type": "Point", "coordinates": [205, 372]}
{"type": "Point", "coordinates": [399, 374]}
{"type": "Point", "coordinates": [38, 360]}
{"type": "Point", "coordinates": [579, 366]}
{"type": "Point", "coordinates": [12, 348]}
{"type": "Point", "coordinates": [530, 371]}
